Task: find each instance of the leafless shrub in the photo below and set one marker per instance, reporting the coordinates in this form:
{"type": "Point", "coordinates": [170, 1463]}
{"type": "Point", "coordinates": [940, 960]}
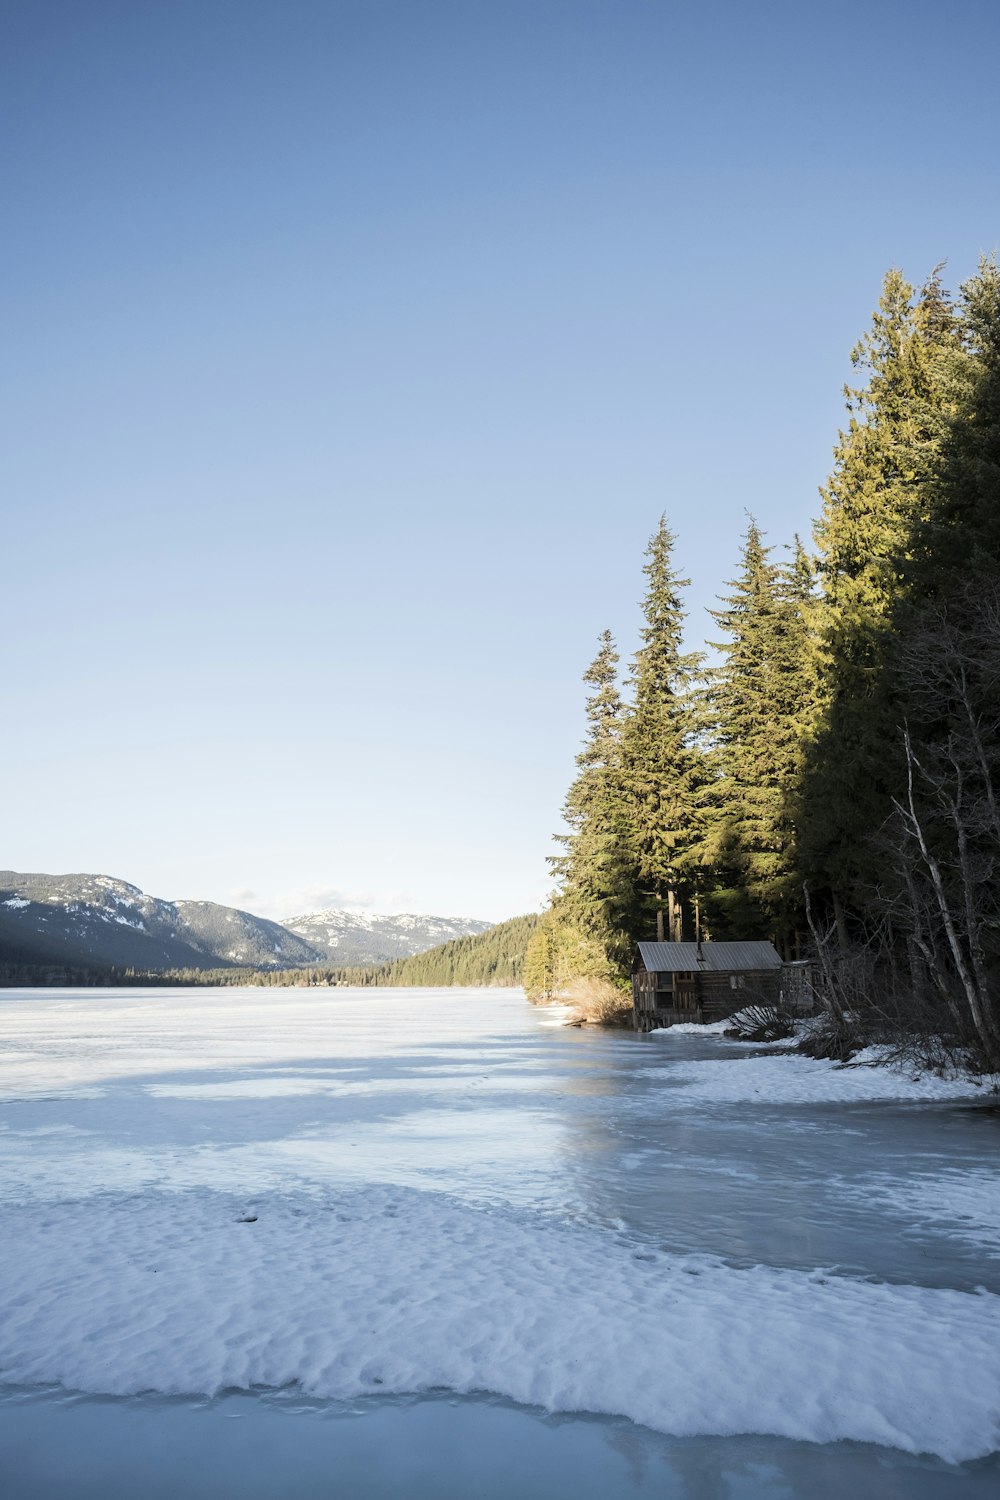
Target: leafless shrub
{"type": "Point", "coordinates": [881, 990]}
{"type": "Point", "coordinates": [831, 1036]}
{"type": "Point", "coordinates": [941, 897]}
{"type": "Point", "coordinates": [762, 1022]}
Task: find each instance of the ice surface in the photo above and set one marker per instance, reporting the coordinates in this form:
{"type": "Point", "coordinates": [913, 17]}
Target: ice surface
{"type": "Point", "coordinates": [262, 1446]}
{"type": "Point", "coordinates": [963, 1203]}
{"type": "Point", "coordinates": [361, 1194]}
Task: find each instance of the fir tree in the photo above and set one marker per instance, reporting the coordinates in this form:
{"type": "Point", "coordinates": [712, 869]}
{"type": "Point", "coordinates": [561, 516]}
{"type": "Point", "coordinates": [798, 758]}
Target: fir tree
{"type": "Point", "coordinates": [957, 533]}
{"type": "Point", "coordinates": [595, 872]}
{"type": "Point", "coordinates": [540, 971]}
{"type": "Point", "coordinates": [759, 698]}
{"type": "Point", "coordinates": [664, 768]}
{"type": "Point", "coordinates": [884, 463]}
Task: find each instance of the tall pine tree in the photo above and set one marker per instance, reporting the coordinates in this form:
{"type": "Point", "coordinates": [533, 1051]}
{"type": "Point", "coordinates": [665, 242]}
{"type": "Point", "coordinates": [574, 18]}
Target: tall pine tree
{"type": "Point", "coordinates": [664, 765]}
{"type": "Point", "coordinates": [884, 463]}
{"type": "Point", "coordinates": [956, 535]}
{"type": "Point", "coordinates": [597, 887]}
{"type": "Point", "coordinates": [759, 697]}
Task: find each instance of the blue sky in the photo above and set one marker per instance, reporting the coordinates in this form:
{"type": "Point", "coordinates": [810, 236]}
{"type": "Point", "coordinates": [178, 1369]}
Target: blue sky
{"type": "Point", "coordinates": [351, 352]}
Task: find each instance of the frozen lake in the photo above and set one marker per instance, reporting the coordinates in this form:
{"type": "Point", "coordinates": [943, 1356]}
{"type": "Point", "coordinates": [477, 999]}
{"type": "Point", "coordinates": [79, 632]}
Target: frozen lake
{"type": "Point", "coordinates": [360, 1243]}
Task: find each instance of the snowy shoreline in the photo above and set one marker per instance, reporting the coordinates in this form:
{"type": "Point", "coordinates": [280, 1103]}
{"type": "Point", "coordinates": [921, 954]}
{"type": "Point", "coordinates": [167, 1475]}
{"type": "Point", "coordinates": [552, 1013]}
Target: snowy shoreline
{"type": "Point", "coordinates": [794, 1077]}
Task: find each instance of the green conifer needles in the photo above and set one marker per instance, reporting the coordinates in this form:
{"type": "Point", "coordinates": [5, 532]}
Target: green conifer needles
{"type": "Point", "coordinates": [665, 773]}
{"type": "Point", "coordinates": [760, 697]}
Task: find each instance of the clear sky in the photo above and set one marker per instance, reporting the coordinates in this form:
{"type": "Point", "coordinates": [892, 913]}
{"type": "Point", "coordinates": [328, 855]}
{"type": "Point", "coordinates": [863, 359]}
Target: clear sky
{"type": "Point", "coordinates": [351, 350]}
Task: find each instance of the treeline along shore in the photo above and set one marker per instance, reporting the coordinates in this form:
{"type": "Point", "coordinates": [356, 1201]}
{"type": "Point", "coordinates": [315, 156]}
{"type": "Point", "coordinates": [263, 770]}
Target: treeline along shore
{"type": "Point", "coordinates": [831, 780]}
{"type": "Point", "coordinates": [494, 957]}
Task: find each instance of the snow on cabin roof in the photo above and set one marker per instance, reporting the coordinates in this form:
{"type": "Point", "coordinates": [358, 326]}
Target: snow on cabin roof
{"type": "Point", "coordinates": [685, 958]}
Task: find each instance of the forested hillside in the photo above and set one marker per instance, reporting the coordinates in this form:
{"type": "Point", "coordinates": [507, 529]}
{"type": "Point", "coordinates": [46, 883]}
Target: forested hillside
{"type": "Point", "coordinates": [93, 924]}
{"type": "Point", "coordinates": [830, 779]}
{"type": "Point", "coordinates": [492, 957]}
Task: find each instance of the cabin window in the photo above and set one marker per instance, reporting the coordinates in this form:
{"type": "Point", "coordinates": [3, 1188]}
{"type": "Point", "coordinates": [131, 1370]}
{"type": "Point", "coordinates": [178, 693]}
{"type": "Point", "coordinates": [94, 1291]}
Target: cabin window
{"type": "Point", "coordinates": [737, 982]}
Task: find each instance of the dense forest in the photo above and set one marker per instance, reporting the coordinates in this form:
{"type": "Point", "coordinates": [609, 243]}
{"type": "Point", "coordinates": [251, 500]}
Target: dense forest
{"type": "Point", "coordinates": [830, 779]}
{"type": "Point", "coordinates": [493, 957]}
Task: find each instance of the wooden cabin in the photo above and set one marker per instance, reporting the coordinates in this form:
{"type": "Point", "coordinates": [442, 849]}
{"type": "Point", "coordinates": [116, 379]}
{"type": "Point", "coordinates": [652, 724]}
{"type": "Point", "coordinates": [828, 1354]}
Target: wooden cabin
{"type": "Point", "coordinates": [703, 982]}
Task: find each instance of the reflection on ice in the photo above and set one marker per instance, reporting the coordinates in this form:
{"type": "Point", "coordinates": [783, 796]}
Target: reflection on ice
{"type": "Point", "coordinates": [964, 1204]}
{"type": "Point", "coordinates": [420, 1148]}
{"type": "Point", "coordinates": [449, 1448]}
{"type": "Point", "coordinates": [278, 1087]}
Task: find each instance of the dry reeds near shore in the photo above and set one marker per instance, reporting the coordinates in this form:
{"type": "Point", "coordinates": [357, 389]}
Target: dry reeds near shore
{"type": "Point", "coordinates": [597, 1002]}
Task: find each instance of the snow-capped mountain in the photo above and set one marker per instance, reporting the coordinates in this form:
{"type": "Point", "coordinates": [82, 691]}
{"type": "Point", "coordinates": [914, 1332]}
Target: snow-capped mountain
{"type": "Point", "coordinates": [96, 919]}
{"type": "Point", "coordinates": [100, 920]}
{"type": "Point", "coordinates": [240, 937]}
{"type": "Point", "coordinates": [347, 937]}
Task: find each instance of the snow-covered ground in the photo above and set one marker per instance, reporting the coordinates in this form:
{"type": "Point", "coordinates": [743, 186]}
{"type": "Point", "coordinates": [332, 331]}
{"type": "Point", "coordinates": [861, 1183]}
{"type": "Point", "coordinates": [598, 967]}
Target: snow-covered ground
{"type": "Point", "coordinates": [362, 1194]}
{"type": "Point", "coordinates": [805, 1080]}
{"type": "Point", "coordinates": [395, 1290]}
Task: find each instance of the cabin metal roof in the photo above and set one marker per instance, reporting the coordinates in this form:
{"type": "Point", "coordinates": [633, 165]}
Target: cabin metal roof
{"type": "Point", "coordinates": [685, 958]}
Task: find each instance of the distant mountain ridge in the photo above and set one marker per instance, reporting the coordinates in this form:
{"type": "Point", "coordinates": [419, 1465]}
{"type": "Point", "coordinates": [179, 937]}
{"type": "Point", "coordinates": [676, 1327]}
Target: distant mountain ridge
{"type": "Point", "coordinates": [354, 938]}
{"type": "Point", "coordinates": [101, 920]}
{"type": "Point", "coordinates": [493, 957]}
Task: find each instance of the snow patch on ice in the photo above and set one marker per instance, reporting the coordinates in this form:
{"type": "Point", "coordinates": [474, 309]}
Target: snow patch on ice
{"type": "Point", "coordinates": [386, 1290]}
{"type": "Point", "coordinates": [692, 1028]}
{"type": "Point", "coordinates": [557, 1015]}
{"type": "Point", "coordinates": [299, 1085]}
{"type": "Point", "coordinates": [249, 1088]}
{"type": "Point", "coordinates": [791, 1079]}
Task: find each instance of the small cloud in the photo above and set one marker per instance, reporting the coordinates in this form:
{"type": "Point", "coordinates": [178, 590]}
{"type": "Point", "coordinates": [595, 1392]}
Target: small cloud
{"type": "Point", "coordinates": [308, 898]}
{"type": "Point", "coordinates": [392, 902]}
{"type": "Point", "coordinates": [302, 900]}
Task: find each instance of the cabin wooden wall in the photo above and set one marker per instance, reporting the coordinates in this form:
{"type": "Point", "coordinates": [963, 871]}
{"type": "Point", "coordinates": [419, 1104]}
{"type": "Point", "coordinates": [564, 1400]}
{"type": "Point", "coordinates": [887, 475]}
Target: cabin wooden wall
{"type": "Point", "coordinates": [665, 999]}
{"type": "Point", "coordinates": [652, 997]}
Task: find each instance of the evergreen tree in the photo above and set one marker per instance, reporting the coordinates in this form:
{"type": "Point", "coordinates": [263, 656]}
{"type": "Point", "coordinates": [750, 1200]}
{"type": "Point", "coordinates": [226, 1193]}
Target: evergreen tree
{"type": "Point", "coordinates": [596, 877]}
{"type": "Point", "coordinates": [759, 698]}
{"type": "Point", "coordinates": [884, 464]}
{"type": "Point", "coordinates": [540, 971]}
{"type": "Point", "coordinates": [957, 533]}
{"type": "Point", "coordinates": [942, 895]}
{"type": "Point", "coordinates": [665, 772]}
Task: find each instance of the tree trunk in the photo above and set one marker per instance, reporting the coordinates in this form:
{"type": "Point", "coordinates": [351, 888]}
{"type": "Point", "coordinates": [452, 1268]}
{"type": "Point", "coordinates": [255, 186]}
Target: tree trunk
{"type": "Point", "coordinates": [830, 993]}
{"type": "Point", "coordinates": [981, 1019]}
{"type": "Point", "coordinates": [841, 921]}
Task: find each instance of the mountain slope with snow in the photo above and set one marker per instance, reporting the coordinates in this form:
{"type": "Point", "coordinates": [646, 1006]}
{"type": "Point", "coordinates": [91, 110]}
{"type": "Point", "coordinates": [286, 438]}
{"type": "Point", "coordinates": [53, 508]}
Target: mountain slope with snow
{"type": "Point", "coordinates": [360, 938]}
{"type": "Point", "coordinates": [102, 921]}
{"type": "Point", "coordinates": [97, 919]}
